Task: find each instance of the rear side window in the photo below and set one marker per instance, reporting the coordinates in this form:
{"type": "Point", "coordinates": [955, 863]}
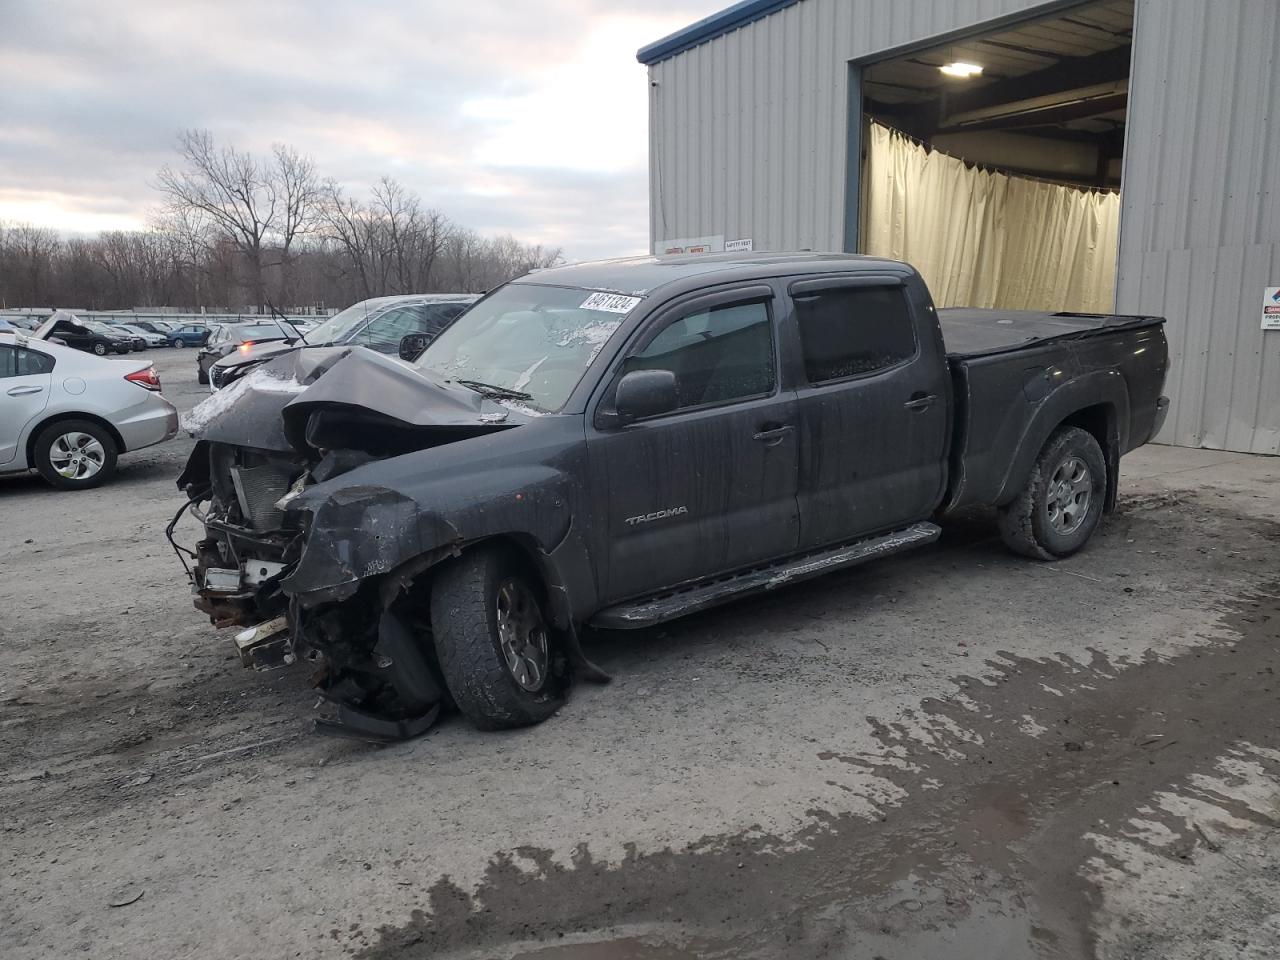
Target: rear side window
{"type": "Point", "coordinates": [717, 355]}
{"type": "Point", "coordinates": [19, 362]}
{"type": "Point", "coordinates": [853, 331]}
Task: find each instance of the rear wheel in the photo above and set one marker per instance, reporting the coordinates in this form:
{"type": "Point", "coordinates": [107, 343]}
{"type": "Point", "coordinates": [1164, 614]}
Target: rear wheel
{"type": "Point", "coordinates": [177, 342]}
{"type": "Point", "coordinates": [494, 646]}
{"type": "Point", "coordinates": [1059, 508]}
{"type": "Point", "coordinates": [75, 454]}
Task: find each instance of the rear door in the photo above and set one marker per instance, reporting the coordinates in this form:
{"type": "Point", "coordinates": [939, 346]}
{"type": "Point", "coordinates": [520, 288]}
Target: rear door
{"type": "Point", "coordinates": [873, 407]}
{"type": "Point", "coordinates": [25, 381]}
{"type": "Point", "coordinates": [711, 486]}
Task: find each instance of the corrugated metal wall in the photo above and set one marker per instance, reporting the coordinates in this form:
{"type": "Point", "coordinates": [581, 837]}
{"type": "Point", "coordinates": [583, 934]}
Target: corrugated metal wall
{"type": "Point", "coordinates": [747, 131]}
{"type": "Point", "coordinates": [747, 139]}
{"type": "Point", "coordinates": [1200, 227]}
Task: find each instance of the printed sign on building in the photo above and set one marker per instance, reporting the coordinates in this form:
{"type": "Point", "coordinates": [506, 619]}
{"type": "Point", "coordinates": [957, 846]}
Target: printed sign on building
{"type": "Point", "coordinates": [1271, 309]}
{"type": "Point", "coordinates": [673, 248]}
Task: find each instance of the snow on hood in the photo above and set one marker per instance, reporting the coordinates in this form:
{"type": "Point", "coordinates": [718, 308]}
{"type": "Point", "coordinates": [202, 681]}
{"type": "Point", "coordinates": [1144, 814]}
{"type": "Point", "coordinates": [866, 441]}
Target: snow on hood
{"type": "Point", "coordinates": [263, 379]}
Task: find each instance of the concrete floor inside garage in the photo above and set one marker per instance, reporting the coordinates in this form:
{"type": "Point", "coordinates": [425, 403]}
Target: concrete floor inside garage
{"type": "Point", "coordinates": [952, 753]}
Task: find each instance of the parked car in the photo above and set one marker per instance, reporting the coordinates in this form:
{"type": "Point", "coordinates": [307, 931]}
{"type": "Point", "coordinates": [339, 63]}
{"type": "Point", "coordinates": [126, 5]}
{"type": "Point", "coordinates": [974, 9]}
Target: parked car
{"type": "Point", "coordinates": [80, 335]}
{"type": "Point", "coordinates": [70, 415]}
{"type": "Point", "coordinates": [623, 443]}
{"type": "Point", "coordinates": [381, 324]}
{"type": "Point", "coordinates": [242, 336]}
{"type": "Point", "coordinates": [149, 337]}
{"type": "Point", "coordinates": [189, 335]}
{"type": "Point", "coordinates": [135, 341]}
{"type": "Point", "coordinates": [162, 327]}
{"type": "Point", "coordinates": [27, 324]}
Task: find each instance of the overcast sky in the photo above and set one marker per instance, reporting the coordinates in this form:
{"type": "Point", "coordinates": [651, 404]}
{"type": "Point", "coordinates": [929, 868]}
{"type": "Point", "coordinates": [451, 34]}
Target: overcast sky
{"type": "Point", "coordinates": [528, 118]}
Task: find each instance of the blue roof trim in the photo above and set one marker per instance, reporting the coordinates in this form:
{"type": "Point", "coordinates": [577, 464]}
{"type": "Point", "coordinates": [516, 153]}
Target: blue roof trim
{"type": "Point", "coordinates": [716, 25]}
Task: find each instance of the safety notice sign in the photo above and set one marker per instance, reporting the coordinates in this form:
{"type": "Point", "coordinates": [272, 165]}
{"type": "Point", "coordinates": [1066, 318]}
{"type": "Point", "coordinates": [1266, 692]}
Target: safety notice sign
{"type": "Point", "coordinates": [1271, 309]}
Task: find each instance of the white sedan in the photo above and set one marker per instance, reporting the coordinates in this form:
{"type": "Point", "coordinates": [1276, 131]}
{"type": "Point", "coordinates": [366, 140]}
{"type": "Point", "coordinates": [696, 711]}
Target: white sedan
{"type": "Point", "coordinates": [70, 414]}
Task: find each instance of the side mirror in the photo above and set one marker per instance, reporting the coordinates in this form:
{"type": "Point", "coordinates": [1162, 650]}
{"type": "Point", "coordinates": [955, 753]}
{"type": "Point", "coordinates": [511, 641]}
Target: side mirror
{"type": "Point", "coordinates": [645, 393]}
{"type": "Point", "coordinates": [412, 345]}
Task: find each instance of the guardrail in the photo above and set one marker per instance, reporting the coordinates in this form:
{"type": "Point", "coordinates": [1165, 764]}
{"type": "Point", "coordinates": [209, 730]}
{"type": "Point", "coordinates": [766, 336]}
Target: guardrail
{"type": "Point", "coordinates": [132, 316]}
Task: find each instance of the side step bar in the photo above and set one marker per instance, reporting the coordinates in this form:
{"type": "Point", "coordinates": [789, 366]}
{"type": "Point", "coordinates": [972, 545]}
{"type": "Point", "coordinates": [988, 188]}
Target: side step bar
{"type": "Point", "coordinates": [635, 614]}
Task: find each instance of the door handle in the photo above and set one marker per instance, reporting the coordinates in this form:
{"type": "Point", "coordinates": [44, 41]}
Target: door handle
{"type": "Point", "coordinates": [920, 402]}
{"type": "Point", "coordinates": [23, 391]}
{"type": "Point", "coordinates": [771, 436]}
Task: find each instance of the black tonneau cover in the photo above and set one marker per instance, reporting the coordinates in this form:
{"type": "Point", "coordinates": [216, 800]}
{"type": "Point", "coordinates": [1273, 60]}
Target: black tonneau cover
{"type": "Point", "coordinates": [969, 332]}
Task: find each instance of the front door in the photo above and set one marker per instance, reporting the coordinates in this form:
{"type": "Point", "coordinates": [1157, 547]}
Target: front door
{"type": "Point", "coordinates": [873, 406]}
{"type": "Point", "coordinates": [711, 486]}
{"type": "Point", "coordinates": [24, 393]}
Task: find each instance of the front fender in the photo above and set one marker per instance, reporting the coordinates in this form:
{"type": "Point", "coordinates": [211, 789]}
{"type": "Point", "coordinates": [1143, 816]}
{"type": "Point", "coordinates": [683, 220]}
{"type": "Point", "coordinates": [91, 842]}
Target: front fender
{"type": "Point", "coordinates": [1096, 388]}
{"type": "Point", "coordinates": [364, 530]}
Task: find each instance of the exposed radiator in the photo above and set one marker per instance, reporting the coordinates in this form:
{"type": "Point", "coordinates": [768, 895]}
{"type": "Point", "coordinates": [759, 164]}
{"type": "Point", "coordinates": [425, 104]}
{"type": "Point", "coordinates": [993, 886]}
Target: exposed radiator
{"type": "Point", "coordinates": [258, 489]}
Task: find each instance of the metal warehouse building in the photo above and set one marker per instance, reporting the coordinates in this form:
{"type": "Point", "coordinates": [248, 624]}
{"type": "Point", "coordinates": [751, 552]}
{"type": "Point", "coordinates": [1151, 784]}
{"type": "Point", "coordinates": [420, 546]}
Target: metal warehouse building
{"type": "Point", "coordinates": [1049, 155]}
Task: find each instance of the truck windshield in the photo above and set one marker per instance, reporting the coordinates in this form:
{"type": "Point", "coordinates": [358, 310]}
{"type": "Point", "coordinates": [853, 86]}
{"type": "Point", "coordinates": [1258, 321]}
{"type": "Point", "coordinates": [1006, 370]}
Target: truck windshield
{"type": "Point", "coordinates": [532, 339]}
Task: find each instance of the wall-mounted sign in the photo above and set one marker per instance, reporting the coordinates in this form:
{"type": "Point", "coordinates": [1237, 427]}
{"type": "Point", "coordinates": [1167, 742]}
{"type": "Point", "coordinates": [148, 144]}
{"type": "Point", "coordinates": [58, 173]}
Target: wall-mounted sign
{"type": "Point", "coordinates": [738, 246]}
{"type": "Point", "coordinates": [675, 248]}
{"type": "Point", "coordinates": [1271, 309]}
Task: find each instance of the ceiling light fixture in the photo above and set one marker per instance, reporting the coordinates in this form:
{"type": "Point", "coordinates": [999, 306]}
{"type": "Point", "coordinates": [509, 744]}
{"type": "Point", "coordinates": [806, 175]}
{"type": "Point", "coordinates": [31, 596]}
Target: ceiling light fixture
{"type": "Point", "coordinates": [962, 70]}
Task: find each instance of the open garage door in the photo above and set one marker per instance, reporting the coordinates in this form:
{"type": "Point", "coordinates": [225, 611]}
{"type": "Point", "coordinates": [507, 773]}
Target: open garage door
{"type": "Point", "coordinates": [993, 163]}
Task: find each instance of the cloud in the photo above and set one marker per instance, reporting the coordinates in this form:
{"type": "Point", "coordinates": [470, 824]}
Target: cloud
{"type": "Point", "coordinates": [522, 118]}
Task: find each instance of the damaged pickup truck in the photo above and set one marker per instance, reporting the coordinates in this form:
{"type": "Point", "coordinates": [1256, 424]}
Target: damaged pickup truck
{"type": "Point", "coordinates": [622, 443]}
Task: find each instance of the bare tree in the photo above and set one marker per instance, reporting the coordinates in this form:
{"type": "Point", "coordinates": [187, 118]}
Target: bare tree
{"type": "Point", "coordinates": [298, 189]}
{"type": "Point", "coordinates": [190, 239]}
{"type": "Point", "coordinates": [248, 201]}
{"type": "Point", "coordinates": [350, 226]}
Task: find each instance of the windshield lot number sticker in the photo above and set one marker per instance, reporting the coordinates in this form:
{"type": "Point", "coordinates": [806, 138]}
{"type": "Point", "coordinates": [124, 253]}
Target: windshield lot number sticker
{"type": "Point", "coordinates": [610, 303]}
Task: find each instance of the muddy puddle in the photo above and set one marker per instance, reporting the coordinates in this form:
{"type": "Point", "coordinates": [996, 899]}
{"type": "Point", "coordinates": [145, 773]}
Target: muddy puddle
{"type": "Point", "coordinates": [983, 854]}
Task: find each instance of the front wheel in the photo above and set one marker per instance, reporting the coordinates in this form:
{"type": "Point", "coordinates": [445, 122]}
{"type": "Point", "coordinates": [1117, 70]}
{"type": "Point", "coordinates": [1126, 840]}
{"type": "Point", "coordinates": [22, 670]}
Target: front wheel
{"type": "Point", "coordinates": [494, 646]}
{"type": "Point", "coordinates": [1059, 508]}
{"type": "Point", "coordinates": [100, 349]}
{"type": "Point", "coordinates": [202, 377]}
{"type": "Point", "coordinates": [75, 454]}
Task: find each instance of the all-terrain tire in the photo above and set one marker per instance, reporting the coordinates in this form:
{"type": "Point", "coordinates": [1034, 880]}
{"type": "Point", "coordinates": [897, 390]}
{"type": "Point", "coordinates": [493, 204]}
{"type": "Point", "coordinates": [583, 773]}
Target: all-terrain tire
{"type": "Point", "coordinates": [1026, 525]}
{"type": "Point", "coordinates": [104, 454]}
{"type": "Point", "coordinates": [464, 623]}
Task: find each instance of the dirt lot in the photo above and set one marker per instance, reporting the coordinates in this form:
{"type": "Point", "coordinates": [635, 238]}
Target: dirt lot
{"type": "Point", "coordinates": [956, 753]}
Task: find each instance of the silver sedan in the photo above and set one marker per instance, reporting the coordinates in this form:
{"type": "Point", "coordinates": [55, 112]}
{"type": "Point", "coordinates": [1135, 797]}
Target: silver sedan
{"type": "Point", "coordinates": [69, 414]}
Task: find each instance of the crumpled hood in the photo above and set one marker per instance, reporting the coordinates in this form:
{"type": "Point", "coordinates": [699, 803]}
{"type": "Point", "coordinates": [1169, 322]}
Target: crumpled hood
{"type": "Point", "coordinates": [343, 398]}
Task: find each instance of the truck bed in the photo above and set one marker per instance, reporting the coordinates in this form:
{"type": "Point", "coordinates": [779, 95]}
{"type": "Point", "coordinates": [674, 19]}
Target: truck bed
{"type": "Point", "coordinates": [1005, 363]}
{"type": "Point", "coordinates": [970, 333]}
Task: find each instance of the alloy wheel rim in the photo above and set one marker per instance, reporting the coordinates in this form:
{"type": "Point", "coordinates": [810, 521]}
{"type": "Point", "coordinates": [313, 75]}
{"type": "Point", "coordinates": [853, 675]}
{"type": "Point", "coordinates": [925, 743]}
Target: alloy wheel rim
{"type": "Point", "coordinates": [522, 635]}
{"type": "Point", "coordinates": [77, 456]}
{"type": "Point", "coordinates": [1069, 495]}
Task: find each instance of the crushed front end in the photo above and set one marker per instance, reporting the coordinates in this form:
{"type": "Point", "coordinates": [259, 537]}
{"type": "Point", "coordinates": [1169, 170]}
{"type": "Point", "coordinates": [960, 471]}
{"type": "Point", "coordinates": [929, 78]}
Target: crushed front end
{"type": "Point", "coordinates": [314, 584]}
{"type": "Point", "coordinates": [360, 639]}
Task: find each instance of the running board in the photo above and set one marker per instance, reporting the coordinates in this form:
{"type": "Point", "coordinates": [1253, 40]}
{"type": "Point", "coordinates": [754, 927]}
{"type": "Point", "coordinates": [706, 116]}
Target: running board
{"type": "Point", "coordinates": [667, 606]}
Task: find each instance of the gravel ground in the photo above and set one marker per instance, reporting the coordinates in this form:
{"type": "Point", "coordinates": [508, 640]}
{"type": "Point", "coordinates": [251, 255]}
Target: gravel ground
{"type": "Point", "coordinates": [955, 753]}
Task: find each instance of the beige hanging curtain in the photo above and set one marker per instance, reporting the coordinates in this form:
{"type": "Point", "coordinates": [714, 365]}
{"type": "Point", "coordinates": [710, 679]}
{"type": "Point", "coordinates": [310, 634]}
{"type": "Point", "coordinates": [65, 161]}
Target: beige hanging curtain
{"type": "Point", "coordinates": [987, 239]}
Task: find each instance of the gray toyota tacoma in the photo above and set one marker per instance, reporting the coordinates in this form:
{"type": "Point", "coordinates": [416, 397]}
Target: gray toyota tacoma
{"type": "Point", "coordinates": [618, 444]}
